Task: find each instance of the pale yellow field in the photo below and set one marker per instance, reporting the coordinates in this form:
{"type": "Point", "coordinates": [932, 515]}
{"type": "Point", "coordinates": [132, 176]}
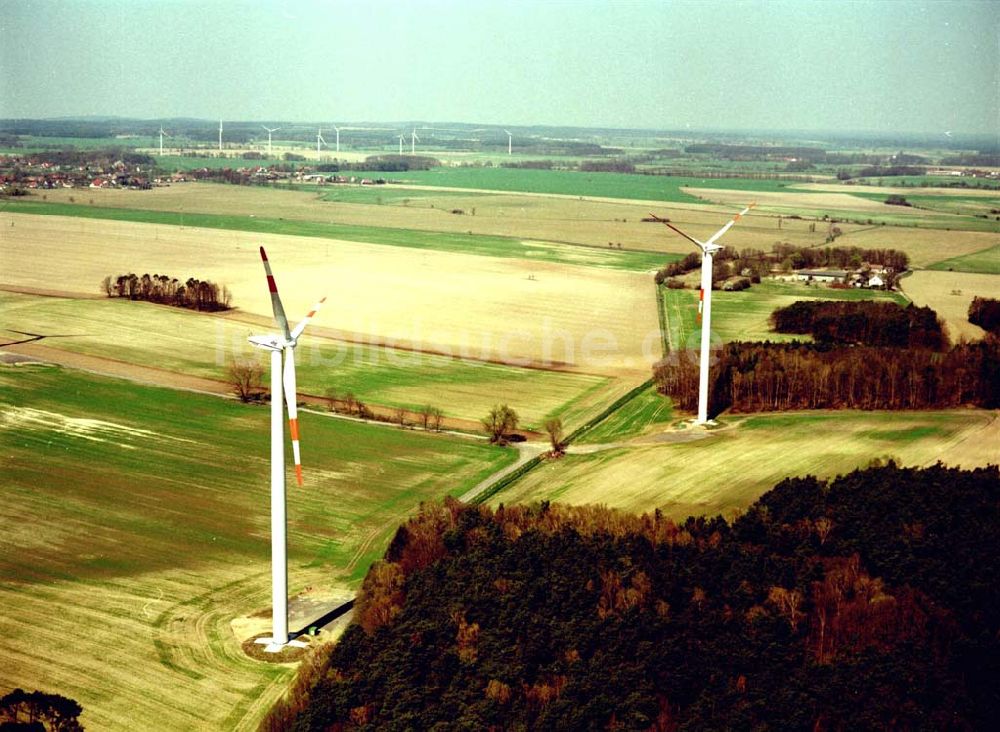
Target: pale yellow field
{"type": "Point", "coordinates": [949, 294]}
{"type": "Point", "coordinates": [925, 246]}
{"type": "Point", "coordinates": [778, 201]}
{"type": "Point", "coordinates": [901, 190]}
{"type": "Point", "coordinates": [732, 467]}
{"type": "Point", "coordinates": [136, 634]}
{"type": "Point", "coordinates": [598, 320]}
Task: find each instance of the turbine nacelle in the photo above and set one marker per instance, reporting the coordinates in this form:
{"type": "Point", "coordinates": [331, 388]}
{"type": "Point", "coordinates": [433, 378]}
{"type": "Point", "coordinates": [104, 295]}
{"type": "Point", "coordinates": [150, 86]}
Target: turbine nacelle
{"type": "Point", "coordinates": [271, 342]}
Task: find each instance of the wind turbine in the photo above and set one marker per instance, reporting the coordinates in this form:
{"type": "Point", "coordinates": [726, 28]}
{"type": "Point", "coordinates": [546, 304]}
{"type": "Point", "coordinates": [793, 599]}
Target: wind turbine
{"type": "Point", "coordinates": [510, 142]}
{"type": "Point", "coordinates": [282, 380]}
{"type": "Point", "coordinates": [337, 130]}
{"type": "Point", "coordinates": [220, 135]}
{"type": "Point", "coordinates": [319, 139]}
{"type": "Point", "coordinates": [708, 250]}
{"type": "Point", "coordinates": [162, 133]}
{"type": "Point", "coordinates": [269, 131]}
{"type": "Point", "coordinates": [401, 144]}
{"type": "Point", "coordinates": [413, 141]}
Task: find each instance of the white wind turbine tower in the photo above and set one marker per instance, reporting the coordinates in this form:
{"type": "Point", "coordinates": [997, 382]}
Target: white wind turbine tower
{"type": "Point", "coordinates": [510, 142]}
{"type": "Point", "coordinates": [401, 144]}
{"type": "Point", "coordinates": [413, 141]}
{"type": "Point", "coordinates": [708, 250]}
{"type": "Point", "coordinates": [162, 134]}
{"type": "Point", "coordinates": [337, 130]}
{"type": "Point", "coordinates": [319, 139]}
{"type": "Point", "coordinates": [220, 135]}
{"type": "Point", "coordinates": [282, 380]}
{"type": "Point", "coordinates": [269, 131]}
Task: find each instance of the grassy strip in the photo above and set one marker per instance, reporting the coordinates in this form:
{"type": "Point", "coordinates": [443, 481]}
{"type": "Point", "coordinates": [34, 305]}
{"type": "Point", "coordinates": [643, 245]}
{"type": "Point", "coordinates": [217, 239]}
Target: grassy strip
{"type": "Point", "coordinates": [483, 245]}
{"type": "Point", "coordinates": [661, 314]}
{"type": "Point", "coordinates": [534, 462]}
{"type": "Point", "coordinates": [611, 409]}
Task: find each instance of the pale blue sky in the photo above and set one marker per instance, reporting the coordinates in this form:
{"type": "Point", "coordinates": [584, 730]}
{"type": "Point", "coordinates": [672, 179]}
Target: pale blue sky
{"type": "Point", "coordinates": [889, 66]}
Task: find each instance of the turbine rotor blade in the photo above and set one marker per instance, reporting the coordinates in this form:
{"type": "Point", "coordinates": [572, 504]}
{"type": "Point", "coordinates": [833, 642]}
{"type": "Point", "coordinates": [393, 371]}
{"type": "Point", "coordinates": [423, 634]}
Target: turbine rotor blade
{"type": "Point", "coordinates": [671, 226]}
{"type": "Point", "coordinates": [279, 311]}
{"type": "Point", "coordinates": [288, 379]}
{"type": "Point", "coordinates": [728, 226]}
{"type": "Point", "coordinates": [305, 321]}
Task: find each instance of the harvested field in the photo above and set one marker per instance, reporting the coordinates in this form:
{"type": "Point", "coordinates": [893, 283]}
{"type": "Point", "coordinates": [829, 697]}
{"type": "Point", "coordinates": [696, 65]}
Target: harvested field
{"type": "Point", "coordinates": [137, 535]}
{"type": "Point", "coordinates": [986, 261]}
{"type": "Point", "coordinates": [897, 190]}
{"type": "Point", "coordinates": [593, 319]}
{"type": "Point", "coordinates": [949, 294]}
{"type": "Point", "coordinates": [924, 246]}
{"type": "Point", "coordinates": [795, 200]}
{"type": "Point", "coordinates": [193, 350]}
{"type": "Point", "coordinates": [733, 466]}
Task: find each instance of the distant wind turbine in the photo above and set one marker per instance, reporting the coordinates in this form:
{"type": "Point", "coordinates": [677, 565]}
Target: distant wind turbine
{"type": "Point", "coordinates": [401, 144]}
{"type": "Point", "coordinates": [282, 380]}
{"type": "Point", "coordinates": [162, 134]}
{"type": "Point", "coordinates": [220, 135]}
{"type": "Point", "coordinates": [319, 139]}
{"type": "Point", "coordinates": [337, 130]}
{"type": "Point", "coordinates": [708, 249]}
{"type": "Point", "coordinates": [413, 141]}
{"type": "Point", "coordinates": [510, 142]}
{"type": "Point", "coordinates": [269, 131]}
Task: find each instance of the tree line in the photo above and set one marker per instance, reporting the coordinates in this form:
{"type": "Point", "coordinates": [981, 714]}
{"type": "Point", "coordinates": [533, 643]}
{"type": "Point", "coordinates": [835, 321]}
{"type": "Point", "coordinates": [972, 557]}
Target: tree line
{"type": "Point", "coordinates": [37, 711]}
{"type": "Point", "coordinates": [757, 263]}
{"type": "Point", "coordinates": [755, 377]}
{"type": "Point", "coordinates": [985, 312]}
{"type": "Point", "coordinates": [193, 293]}
{"type": "Point", "coordinates": [865, 602]}
{"type": "Point", "coordinates": [862, 322]}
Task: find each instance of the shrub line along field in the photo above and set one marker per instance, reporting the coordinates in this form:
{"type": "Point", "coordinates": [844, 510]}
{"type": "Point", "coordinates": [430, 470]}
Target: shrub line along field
{"type": "Point", "coordinates": [92, 465]}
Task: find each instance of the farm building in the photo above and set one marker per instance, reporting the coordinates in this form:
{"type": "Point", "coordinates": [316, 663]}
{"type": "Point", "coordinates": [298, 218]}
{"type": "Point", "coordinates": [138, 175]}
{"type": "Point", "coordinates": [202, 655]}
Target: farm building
{"type": "Point", "coordinates": [821, 275]}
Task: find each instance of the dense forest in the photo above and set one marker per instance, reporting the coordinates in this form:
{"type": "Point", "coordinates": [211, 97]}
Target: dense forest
{"type": "Point", "coordinates": [754, 377]}
{"type": "Point", "coordinates": [864, 322]}
{"type": "Point", "coordinates": [194, 294]}
{"type": "Point", "coordinates": [867, 602]}
{"type": "Point", "coordinates": [985, 312]}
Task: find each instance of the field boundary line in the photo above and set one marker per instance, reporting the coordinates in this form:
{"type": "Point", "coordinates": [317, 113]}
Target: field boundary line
{"type": "Point", "coordinates": [511, 475]}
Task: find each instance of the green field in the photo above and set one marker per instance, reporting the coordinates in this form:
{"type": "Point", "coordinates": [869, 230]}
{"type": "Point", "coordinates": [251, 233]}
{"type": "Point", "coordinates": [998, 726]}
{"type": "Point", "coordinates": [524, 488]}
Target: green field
{"type": "Point", "coordinates": [137, 528]}
{"type": "Point", "coordinates": [635, 417]}
{"type": "Point", "coordinates": [481, 245]}
{"type": "Point", "coordinates": [731, 467]}
{"type": "Point", "coordinates": [203, 345]}
{"type": "Point", "coordinates": [744, 315]}
{"type": "Point", "coordinates": [574, 183]}
{"type": "Point", "coordinates": [986, 261]}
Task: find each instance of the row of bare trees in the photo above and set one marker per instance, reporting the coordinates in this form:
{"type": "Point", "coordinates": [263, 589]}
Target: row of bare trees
{"type": "Point", "coordinates": [193, 293]}
{"type": "Point", "coordinates": [753, 377]}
